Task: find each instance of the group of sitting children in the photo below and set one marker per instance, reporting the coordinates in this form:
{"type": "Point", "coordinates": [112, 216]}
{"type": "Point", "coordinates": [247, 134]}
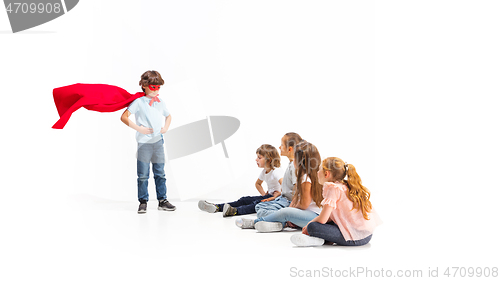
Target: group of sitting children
{"type": "Point", "coordinates": [329, 202]}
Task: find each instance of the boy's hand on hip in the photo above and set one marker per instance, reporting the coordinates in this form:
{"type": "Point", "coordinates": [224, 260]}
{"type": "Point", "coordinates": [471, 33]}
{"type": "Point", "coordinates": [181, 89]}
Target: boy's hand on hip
{"type": "Point", "coordinates": [145, 131]}
{"type": "Point", "coordinates": [164, 130]}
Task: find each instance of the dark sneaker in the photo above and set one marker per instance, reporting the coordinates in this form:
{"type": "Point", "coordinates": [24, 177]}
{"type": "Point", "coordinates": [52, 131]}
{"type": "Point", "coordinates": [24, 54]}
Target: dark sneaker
{"type": "Point", "coordinates": [164, 205]}
{"type": "Point", "coordinates": [142, 208]}
{"type": "Point", "coordinates": [229, 211]}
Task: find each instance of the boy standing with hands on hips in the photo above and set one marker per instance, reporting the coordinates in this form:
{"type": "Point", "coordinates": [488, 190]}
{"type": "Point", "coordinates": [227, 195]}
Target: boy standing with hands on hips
{"type": "Point", "coordinates": [152, 121]}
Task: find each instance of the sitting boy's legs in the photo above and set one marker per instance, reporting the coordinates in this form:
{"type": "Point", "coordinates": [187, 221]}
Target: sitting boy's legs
{"type": "Point", "coordinates": [244, 205]}
{"type": "Point", "coordinates": [246, 200]}
{"type": "Point", "coordinates": [250, 207]}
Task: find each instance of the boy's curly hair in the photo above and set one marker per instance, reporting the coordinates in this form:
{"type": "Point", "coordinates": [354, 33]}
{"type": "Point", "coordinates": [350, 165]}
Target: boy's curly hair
{"type": "Point", "coordinates": [150, 77]}
{"type": "Point", "coordinates": [271, 154]}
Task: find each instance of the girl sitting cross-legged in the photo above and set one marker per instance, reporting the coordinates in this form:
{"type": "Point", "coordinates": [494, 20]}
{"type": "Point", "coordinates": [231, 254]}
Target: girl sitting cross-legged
{"type": "Point", "coordinates": [347, 217]}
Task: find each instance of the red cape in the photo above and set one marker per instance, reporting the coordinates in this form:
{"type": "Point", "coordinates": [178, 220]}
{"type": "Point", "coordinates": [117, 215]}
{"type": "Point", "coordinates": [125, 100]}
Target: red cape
{"type": "Point", "coordinates": [96, 97]}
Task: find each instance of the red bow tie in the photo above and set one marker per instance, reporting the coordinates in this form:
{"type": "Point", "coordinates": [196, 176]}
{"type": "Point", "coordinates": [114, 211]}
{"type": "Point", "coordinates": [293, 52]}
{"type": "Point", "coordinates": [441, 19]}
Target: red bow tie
{"type": "Point", "coordinates": [154, 99]}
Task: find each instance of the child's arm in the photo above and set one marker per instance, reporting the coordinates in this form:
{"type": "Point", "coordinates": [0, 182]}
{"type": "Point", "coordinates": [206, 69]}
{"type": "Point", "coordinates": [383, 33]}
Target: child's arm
{"type": "Point", "coordinates": [294, 200]}
{"type": "Point", "coordinates": [260, 189]}
{"type": "Point", "coordinates": [141, 129]}
{"type": "Point", "coordinates": [323, 217]}
{"type": "Point", "coordinates": [275, 195]}
{"type": "Point", "coordinates": [168, 119]}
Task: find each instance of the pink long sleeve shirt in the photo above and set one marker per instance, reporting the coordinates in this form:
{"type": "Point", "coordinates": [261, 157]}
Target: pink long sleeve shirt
{"type": "Point", "coordinates": [350, 221]}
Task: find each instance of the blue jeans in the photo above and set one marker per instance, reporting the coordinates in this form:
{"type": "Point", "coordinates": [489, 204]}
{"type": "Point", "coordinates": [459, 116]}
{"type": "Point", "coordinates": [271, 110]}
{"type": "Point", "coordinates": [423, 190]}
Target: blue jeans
{"type": "Point", "coordinates": [294, 215]}
{"type": "Point", "coordinates": [266, 208]}
{"type": "Point", "coordinates": [151, 153]}
{"type": "Point", "coordinates": [246, 205]}
{"type": "Point", "coordinates": [331, 233]}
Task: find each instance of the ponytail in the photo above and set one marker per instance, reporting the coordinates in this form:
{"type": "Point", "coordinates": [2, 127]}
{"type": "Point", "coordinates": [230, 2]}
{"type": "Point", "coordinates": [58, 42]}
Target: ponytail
{"type": "Point", "coordinates": [358, 194]}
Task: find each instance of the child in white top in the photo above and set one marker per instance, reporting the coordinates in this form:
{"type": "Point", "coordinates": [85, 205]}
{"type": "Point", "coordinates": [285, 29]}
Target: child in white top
{"type": "Point", "coordinates": [268, 159]}
{"type": "Point", "coordinates": [272, 177]}
{"type": "Point", "coordinates": [287, 149]}
{"type": "Point", "coordinates": [306, 199]}
{"type": "Point", "coordinates": [347, 218]}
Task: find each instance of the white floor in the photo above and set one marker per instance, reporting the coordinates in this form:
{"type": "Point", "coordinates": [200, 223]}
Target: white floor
{"type": "Point", "coordinates": [90, 238]}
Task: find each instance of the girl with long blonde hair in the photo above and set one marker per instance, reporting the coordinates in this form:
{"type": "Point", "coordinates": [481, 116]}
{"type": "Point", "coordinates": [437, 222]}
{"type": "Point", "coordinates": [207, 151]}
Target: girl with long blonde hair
{"type": "Point", "coordinates": [347, 217]}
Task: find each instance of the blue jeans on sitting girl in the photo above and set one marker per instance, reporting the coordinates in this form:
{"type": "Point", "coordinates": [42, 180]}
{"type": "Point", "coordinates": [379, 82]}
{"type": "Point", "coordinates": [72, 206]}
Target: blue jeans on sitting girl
{"type": "Point", "coordinates": [294, 215]}
{"type": "Point", "coordinates": [331, 232]}
{"type": "Point", "coordinates": [266, 208]}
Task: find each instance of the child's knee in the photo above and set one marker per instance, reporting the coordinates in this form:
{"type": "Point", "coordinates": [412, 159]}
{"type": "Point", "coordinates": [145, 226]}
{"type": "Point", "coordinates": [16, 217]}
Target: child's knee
{"type": "Point", "coordinates": [159, 176]}
{"type": "Point", "coordinates": [259, 205]}
{"type": "Point", "coordinates": [313, 227]}
{"type": "Point", "coordinates": [142, 176]}
{"type": "Point", "coordinates": [262, 212]}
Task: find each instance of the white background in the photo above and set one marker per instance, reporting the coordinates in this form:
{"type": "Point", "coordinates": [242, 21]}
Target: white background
{"type": "Point", "coordinates": [404, 90]}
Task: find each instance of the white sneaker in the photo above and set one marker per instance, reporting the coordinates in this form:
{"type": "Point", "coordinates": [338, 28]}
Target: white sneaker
{"type": "Point", "coordinates": [206, 206]}
{"type": "Point", "coordinates": [268, 226]}
{"type": "Point", "coordinates": [303, 240]}
{"type": "Point", "coordinates": [244, 223]}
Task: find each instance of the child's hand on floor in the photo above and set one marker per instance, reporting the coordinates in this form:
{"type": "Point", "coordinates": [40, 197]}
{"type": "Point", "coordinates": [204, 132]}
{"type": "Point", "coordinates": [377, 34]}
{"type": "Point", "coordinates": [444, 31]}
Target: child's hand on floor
{"type": "Point", "coordinates": [304, 230]}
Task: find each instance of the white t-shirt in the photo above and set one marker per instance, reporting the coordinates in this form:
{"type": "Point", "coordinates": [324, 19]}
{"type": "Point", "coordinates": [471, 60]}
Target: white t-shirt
{"type": "Point", "coordinates": [149, 117]}
{"type": "Point", "coordinates": [312, 207]}
{"type": "Point", "coordinates": [289, 181]}
{"type": "Point", "coordinates": [272, 180]}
